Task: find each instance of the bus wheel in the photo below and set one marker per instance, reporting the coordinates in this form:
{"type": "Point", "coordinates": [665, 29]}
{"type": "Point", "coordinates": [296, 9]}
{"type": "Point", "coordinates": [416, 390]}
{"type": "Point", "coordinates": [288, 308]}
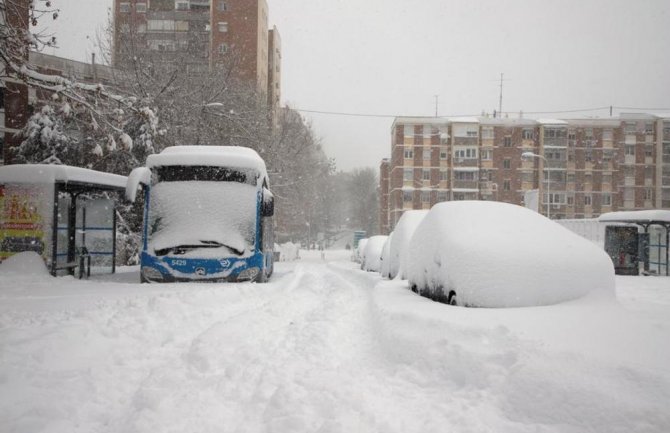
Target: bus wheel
{"type": "Point", "coordinates": [262, 277]}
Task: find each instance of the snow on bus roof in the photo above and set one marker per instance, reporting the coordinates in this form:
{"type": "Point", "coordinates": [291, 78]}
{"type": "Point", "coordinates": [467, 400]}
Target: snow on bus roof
{"type": "Point", "coordinates": [49, 173]}
{"type": "Point", "coordinates": [219, 156]}
{"type": "Point", "coordinates": [637, 216]}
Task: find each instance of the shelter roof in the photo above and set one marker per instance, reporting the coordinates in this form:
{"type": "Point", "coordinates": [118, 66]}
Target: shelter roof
{"type": "Point", "coordinates": [656, 216]}
{"type": "Point", "coordinates": [49, 173]}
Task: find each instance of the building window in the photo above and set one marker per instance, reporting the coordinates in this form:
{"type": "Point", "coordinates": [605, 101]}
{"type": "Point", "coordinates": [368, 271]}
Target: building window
{"type": "Point", "coordinates": [407, 174]}
{"type": "Point", "coordinates": [506, 185]}
{"type": "Point", "coordinates": [608, 134]}
{"type": "Point", "coordinates": [124, 7]}
{"type": "Point", "coordinates": [222, 6]}
{"type": "Point", "coordinates": [587, 200]}
{"type": "Point", "coordinates": [443, 154]}
{"type": "Point", "coordinates": [468, 153]}
{"type": "Point", "coordinates": [507, 163]}
{"type": "Point", "coordinates": [426, 174]}
{"type": "Point", "coordinates": [571, 200]}
{"type": "Point", "coordinates": [425, 196]}
{"type": "Point", "coordinates": [160, 25]}
{"type": "Point", "coordinates": [223, 49]}
{"type": "Point", "coordinates": [407, 195]}
{"type": "Point", "coordinates": [141, 8]}
{"type": "Point", "coordinates": [629, 150]}
{"type": "Point", "coordinates": [443, 175]}
{"type": "Point", "coordinates": [528, 134]}
{"type": "Point", "coordinates": [607, 199]}
{"type": "Point", "coordinates": [223, 27]}
{"type": "Point", "coordinates": [648, 193]}
{"type": "Point", "coordinates": [486, 154]}
{"type": "Point", "coordinates": [409, 153]}
{"type": "Point", "coordinates": [409, 130]}
{"type": "Point", "coordinates": [426, 153]}
{"type": "Point", "coordinates": [507, 141]}
{"type": "Point", "coordinates": [182, 6]}
{"type": "Point", "coordinates": [2, 101]}
{"type": "Point", "coordinates": [442, 196]}
{"type": "Point", "coordinates": [487, 132]}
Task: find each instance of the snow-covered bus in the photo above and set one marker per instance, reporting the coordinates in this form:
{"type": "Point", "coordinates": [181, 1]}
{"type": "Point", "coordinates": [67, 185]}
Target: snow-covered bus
{"type": "Point", "coordinates": [207, 215]}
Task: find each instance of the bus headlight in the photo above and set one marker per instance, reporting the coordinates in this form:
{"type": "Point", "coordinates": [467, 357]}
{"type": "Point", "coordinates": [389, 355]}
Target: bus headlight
{"type": "Point", "coordinates": [248, 274]}
{"type": "Point", "coordinates": [151, 274]}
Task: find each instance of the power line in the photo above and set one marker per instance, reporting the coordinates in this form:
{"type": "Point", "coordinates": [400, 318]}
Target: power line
{"type": "Point", "coordinates": [351, 114]}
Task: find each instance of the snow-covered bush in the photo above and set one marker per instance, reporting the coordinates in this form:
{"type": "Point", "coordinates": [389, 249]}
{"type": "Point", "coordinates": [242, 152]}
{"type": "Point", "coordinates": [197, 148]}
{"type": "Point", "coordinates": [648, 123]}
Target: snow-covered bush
{"type": "Point", "coordinates": [402, 234]}
{"type": "Point", "coordinates": [373, 253]}
{"type": "Point", "coordinates": [386, 254]}
{"type": "Point", "coordinates": [490, 254]}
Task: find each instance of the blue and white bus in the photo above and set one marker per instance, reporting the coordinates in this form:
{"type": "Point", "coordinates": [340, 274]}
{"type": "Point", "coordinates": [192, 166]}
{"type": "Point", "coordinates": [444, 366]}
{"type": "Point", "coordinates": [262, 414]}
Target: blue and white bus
{"type": "Point", "coordinates": [207, 215]}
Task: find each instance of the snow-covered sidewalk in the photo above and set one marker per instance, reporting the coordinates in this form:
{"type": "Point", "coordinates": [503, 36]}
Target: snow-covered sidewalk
{"type": "Point", "coordinates": [325, 347]}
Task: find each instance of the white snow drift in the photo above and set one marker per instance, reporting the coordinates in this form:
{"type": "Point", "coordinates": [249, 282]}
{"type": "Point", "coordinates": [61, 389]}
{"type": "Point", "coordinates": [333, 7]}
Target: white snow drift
{"type": "Point", "coordinates": [501, 255]}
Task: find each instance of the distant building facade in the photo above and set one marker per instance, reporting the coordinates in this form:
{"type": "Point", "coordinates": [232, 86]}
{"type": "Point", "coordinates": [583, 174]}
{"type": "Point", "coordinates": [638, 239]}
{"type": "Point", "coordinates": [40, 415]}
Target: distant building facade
{"type": "Point", "coordinates": [583, 168]}
{"type": "Point", "coordinates": [201, 35]}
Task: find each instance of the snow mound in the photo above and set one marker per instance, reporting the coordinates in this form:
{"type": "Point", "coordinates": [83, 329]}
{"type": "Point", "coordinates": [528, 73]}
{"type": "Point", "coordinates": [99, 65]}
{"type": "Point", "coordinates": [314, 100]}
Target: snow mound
{"type": "Point", "coordinates": [403, 232]}
{"type": "Point", "coordinates": [289, 252]}
{"type": "Point", "coordinates": [28, 264]}
{"type": "Point", "coordinates": [373, 253]}
{"type": "Point", "coordinates": [501, 255]}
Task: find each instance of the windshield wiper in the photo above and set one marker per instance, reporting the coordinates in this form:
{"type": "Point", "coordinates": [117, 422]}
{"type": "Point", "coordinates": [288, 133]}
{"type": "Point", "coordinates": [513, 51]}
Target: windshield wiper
{"type": "Point", "coordinates": [183, 249]}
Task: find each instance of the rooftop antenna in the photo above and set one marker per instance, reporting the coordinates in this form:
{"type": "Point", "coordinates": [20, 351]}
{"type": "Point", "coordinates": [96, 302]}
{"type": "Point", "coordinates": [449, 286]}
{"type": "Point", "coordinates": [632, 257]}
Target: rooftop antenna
{"type": "Point", "coordinates": [501, 93]}
{"type": "Point", "coordinates": [437, 99]}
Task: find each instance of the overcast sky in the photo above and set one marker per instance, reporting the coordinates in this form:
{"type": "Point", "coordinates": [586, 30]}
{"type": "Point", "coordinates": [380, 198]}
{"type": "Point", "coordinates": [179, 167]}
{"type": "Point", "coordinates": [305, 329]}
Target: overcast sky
{"type": "Point", "coordinates": [393, 56]}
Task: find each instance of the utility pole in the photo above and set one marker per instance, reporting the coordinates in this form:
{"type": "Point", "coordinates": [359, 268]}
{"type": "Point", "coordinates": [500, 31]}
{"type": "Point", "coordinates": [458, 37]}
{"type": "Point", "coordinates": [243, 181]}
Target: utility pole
{"type": "Point", "coordinates": [437, 99]}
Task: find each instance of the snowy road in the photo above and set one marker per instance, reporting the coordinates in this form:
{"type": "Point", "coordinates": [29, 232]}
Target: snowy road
{"type": "Point", "coordinates": [325, 347]}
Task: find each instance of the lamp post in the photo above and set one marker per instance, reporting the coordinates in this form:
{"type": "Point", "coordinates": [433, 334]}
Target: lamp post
{"type": "Point", "coordinates": [528, 155]}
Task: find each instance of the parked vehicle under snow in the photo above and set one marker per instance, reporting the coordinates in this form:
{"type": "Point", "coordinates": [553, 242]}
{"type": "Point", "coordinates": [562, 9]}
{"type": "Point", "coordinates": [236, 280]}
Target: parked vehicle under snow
{"type": "Point", "coordinates": [402, 234]}
{"type": "Point", "coordinates": [489, 254]}
{"type": "Point", "coordinates": [373, 253]}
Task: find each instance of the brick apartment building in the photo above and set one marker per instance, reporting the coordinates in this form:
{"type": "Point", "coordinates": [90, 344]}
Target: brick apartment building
{"type": "Point", "coordinates": [584, 167]}
{"type": "Point", "coordinates": [201, 35]}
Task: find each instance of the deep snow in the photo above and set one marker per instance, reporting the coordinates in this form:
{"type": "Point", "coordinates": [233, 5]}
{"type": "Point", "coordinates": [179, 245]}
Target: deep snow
{"type": "Point", "coordinates": [325, 347]}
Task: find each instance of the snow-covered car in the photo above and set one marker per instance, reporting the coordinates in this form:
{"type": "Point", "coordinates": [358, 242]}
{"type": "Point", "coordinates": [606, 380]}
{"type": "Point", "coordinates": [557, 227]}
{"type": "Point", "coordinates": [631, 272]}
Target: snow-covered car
{"type": "Point", "coordinates": [490, 254]}
{"type": "Point", "coordinates": [358, 251]}
{"type": "Point", "coordinates": [402, 234]}
{"type": "Point", "coordinates": [386, 254]}
{"type": "Point", "coordinates": [373, 253]}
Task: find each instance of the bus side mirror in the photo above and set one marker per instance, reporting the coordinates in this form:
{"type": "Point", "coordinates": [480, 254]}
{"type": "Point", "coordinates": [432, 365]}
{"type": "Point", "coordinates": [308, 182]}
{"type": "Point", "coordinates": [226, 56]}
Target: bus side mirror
{"type": "Point", "coordinates": [139, 176]}
{"type": "Point", "coordinates": [268, 206]}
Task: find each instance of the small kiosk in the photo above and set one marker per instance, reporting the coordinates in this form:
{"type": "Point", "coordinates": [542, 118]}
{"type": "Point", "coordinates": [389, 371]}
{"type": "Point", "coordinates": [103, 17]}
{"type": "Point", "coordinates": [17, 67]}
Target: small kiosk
{"type": "Point", "coordinates": [65, 214]}
{"type": "Point", "coordinates": [644, 240]}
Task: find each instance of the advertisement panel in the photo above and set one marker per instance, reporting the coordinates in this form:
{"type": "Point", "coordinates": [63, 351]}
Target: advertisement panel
{"type": "Point", "coordinates": [24, 219]}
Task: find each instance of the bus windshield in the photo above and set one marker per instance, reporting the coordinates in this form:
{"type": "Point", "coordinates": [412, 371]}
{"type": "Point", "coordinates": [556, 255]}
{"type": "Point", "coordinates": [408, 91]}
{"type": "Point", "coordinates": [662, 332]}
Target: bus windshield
{"type": "Point", "coordinates": [201, 217]}
{"type": "Point", "coordinates": [203, 173]}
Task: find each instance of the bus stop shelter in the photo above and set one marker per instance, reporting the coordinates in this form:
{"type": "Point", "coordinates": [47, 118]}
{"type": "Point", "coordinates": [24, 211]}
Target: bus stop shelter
{"type": "Point", "coordinates": [65, 214]}
{"type": "Point", "coordinates": [654, 241]}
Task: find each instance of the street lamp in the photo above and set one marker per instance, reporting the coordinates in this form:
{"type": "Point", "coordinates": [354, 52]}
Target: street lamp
{"type": "Point", "coordinates": [528, 155]}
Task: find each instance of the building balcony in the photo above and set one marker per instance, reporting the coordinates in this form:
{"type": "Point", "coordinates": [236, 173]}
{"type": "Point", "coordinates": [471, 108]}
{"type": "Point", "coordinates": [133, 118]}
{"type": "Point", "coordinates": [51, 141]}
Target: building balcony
{"type": "Point", "coordinates": [466, 185]}
{"type": "Point", "coordinates": [629, 181]}
{"type": "Point", "coordinates": [466, 162]}
{"type": "Point", "coordinates": [629, 159]}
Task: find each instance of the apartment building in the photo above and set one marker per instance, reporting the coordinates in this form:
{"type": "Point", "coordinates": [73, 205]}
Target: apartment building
{"type": "Point", "coordinates": [581, 168]}
{"type": "Point", "coordinates": [200, 35]}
